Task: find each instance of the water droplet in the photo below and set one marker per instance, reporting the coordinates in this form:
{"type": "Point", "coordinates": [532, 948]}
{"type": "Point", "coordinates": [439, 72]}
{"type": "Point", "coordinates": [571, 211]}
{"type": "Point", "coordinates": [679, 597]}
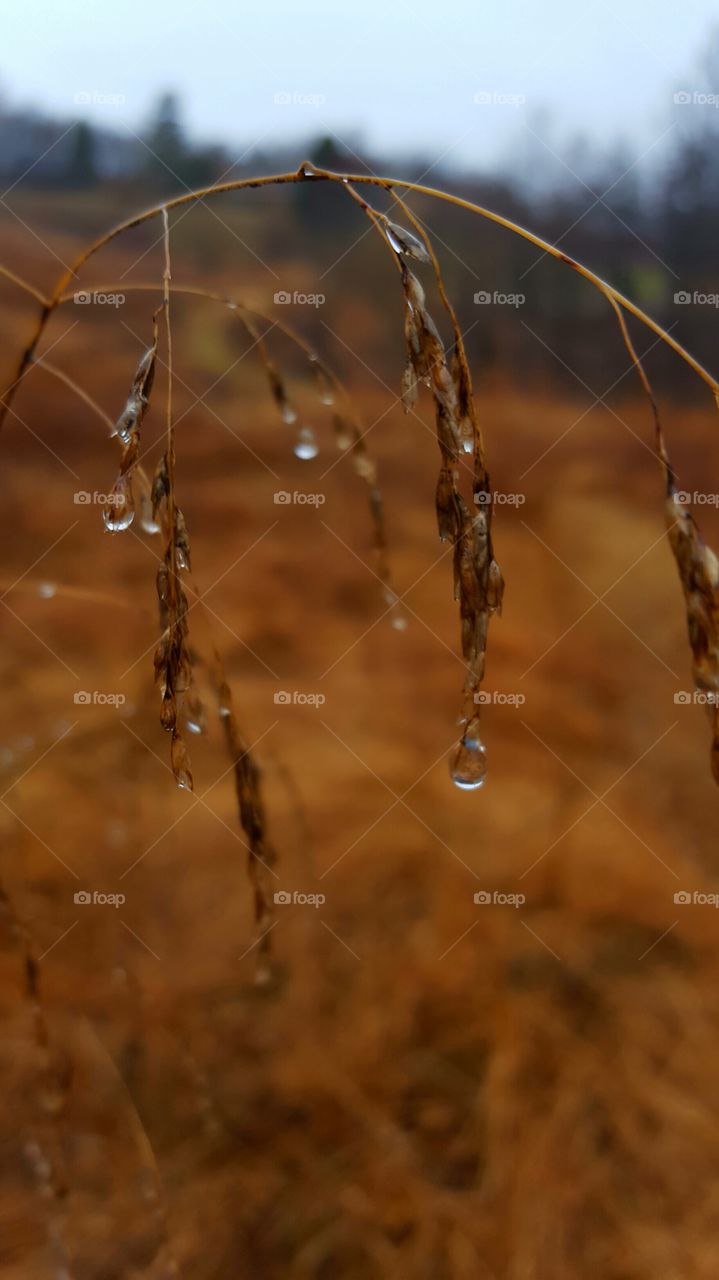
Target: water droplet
{"type": "Point", "coordinates": [308, 171]}
{"type": "Point", "coordinates": [306, 446]}
{"type": "Point", "coordinates": [405, 242]}
{"type": "Point", "coordinates": [47, 590]}
{"type": "Point", "coordinates": [327, 396]}
{"type": "Point", "coordinates": [399, 620]}
{"type": "Point", "coordinates": [288, 414]}
{"type": "Point", "coordinates": [117, 519]}
{"type": "Point", "coordinates": [119, 512]}
{"type": "Point", "coordinates": [468, 768]}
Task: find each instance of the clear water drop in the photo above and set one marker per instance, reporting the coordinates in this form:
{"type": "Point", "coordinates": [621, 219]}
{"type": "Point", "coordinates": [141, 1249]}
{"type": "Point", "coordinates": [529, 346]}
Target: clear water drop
{"type": "Point", "coordinates": [399, 620]}
{"type": "Point", "coordinates": [468, 768]}
{"type": "Point", "coordinates": [119, 512]}
{"type": "Point", "coordinates": [47, 590]}
{"type": "Point", "coordinates": [288, 414]}
{"type": "Point", "coordinates": [306, 446]}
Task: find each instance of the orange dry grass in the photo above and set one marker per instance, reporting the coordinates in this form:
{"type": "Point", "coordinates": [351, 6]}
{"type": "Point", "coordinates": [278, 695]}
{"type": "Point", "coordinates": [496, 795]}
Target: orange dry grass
{"type": "Point", "coordinates": [433, 1088]}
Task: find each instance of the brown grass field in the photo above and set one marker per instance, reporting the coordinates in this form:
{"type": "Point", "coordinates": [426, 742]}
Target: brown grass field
{"type": "Point", "coordinates": [429, 1088]}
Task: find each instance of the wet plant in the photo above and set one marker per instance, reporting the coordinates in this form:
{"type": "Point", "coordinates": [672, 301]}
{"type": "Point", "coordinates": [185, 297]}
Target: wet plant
{"type": "Point", "coordinates": [463, 496]}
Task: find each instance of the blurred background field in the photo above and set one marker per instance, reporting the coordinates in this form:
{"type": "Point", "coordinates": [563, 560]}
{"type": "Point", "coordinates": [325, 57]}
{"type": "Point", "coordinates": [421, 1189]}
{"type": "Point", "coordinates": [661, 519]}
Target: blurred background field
{"type": "Point", "coordinates": [430, 1086]}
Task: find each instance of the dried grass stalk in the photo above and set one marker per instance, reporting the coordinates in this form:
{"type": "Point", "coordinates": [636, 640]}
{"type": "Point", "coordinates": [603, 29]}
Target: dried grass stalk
{"type": "Point", "coordinates": [478, 583]}
{"type": "Point", "coordinates": [697, 564]}
{"type": "Point", "coordinates": [173, 668]}
{"type": "Point", "coordinates": [120, 510]}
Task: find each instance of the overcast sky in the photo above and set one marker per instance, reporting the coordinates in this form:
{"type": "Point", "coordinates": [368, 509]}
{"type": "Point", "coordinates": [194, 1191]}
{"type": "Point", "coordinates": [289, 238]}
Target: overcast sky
{"type": "Point", "coordinates": [398, 73]}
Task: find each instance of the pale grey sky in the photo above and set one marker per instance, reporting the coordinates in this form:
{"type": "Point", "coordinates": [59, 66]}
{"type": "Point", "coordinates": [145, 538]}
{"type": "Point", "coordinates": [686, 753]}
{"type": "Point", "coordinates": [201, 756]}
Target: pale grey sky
{"type": "Point", "coordinates": [401, 73]}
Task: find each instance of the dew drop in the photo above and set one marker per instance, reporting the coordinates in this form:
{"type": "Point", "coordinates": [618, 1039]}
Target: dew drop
{"type": "Point", "coordinates": [117, 519]}
{"type": "Point", "coordinates": [468, 768]}
{"type": "Point", "coordinates": [399, 620]}
{"type": "Point", "coordinates": [47, 590]}
{"type": "Point", "coordinates": [306, 446]}
{"type": "Point", "coordinates": [288, 414]}
{"type": "Point", "coordinates": [119, 512]}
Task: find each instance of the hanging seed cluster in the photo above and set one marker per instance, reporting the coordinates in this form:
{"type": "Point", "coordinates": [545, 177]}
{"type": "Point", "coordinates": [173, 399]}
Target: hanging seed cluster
{"type": "Point", "coordinates": [478, 583]}
{"type": "Point", "coordinates": [697, 564]}
{"type": "Point", "coordinates": [261, 855]}
{"type": "Point", "coordinates": [699, 574]}
{"type": "Point", "coordinates": [119, 512]}
{"type": "Point", "coordinates": [173, 664]}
